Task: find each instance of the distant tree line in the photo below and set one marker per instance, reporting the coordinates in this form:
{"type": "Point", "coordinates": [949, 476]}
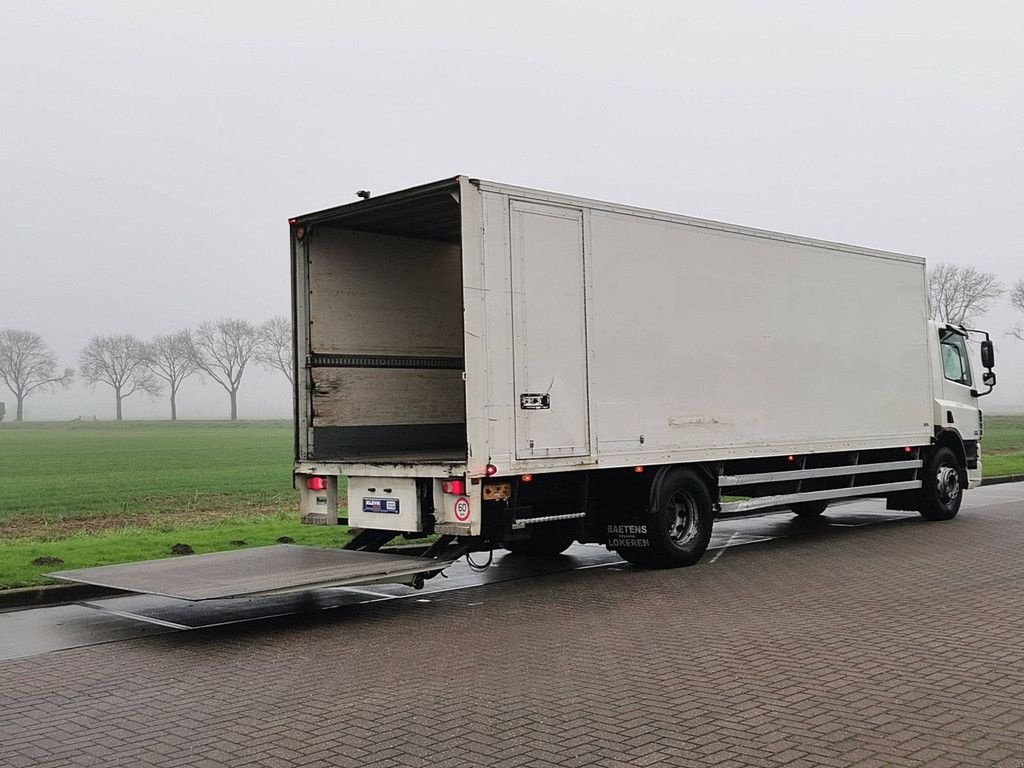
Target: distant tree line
{"type": "Point", "coordinates": [221, 350]}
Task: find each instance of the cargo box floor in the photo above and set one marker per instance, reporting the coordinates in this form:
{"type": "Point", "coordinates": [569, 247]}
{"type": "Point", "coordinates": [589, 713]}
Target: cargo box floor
{"type": "Point", "coordinates": [257, 571]}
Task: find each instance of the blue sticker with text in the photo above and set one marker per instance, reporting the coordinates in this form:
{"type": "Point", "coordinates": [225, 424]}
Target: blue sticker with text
{"type": "Point", "coordinates": [386, 506]}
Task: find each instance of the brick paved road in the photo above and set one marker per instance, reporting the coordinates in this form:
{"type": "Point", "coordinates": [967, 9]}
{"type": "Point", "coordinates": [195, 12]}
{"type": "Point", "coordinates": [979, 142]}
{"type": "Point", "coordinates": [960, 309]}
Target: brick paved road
{"type": "Point", "coordinates": [893, 645]}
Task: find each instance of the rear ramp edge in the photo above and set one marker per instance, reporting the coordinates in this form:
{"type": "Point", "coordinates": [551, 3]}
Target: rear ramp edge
{"type": "Point", "coordinates": [269, 570]}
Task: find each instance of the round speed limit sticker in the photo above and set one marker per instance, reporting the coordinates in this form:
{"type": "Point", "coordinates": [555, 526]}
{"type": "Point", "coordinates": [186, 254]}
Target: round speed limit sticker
{"type": "Point", "coordinates": [462, 509]}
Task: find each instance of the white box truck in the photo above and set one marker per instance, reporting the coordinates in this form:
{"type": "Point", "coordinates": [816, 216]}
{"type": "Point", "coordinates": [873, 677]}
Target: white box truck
{"type": "Point", "coordinates": [509, 367]}
{"type": "Point", "coordinates": [500, 366]}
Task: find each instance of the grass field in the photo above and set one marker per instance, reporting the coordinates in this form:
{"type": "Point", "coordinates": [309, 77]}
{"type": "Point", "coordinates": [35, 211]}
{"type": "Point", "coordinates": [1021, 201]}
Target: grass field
{"type": "Point", "coordinates": [56, 471]}
{"type": "Point", "coordinates": [94, 493]}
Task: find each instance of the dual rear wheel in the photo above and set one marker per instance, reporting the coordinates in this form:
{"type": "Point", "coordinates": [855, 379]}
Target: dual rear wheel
{"type": "Point", "coordinates": [678, 529]}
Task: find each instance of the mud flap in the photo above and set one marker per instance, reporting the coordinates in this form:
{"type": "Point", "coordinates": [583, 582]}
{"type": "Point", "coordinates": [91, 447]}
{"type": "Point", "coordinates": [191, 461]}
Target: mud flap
{"type": "Point", "coordinates": [634, 533]}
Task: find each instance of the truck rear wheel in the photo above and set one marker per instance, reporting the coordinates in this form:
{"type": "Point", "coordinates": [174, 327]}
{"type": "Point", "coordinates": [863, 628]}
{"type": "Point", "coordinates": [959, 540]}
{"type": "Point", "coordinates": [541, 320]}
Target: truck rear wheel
{"type": "Point", "coordinates": [679, 525]}
{"type": "Point", "coordinates": [942, 489]}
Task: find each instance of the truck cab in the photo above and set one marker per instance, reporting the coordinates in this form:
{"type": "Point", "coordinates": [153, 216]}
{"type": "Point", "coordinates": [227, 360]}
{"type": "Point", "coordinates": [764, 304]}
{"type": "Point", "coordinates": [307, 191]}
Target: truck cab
{"type": "Point", "coordinates": [957, 415]}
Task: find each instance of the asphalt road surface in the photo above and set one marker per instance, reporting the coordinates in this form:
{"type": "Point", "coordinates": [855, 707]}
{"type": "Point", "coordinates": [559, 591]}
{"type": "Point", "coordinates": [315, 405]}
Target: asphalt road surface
{"type": "Point", "coordinates": [870, 638]}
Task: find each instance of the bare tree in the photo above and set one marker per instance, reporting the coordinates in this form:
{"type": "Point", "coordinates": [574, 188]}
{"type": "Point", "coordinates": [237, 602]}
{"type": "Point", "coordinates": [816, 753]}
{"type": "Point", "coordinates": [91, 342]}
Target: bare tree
{"type": "Point", "coordinates": [275, 349]}
{"type": "Point", "coordinates": [27, 365]}
{"type": "Point", "coordinates": [960, 294]}
{"type": "Point", "coordinates": [120, 360]}
{"type": "Point", "coordinates": [1017, 302]}
{"type": "Point", "coordinates": [222, 349]}
{"type": "Point", "coordinates": [169, 358]}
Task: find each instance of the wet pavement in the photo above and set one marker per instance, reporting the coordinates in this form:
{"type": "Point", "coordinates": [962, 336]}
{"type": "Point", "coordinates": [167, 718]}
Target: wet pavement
{"type": "Point", "coordinates": [868, 638]}
{"type": "Point", "coordinates": [33, 631]}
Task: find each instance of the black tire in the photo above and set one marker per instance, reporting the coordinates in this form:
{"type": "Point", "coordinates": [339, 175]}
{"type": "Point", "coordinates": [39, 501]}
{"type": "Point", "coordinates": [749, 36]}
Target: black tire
{"type": "Point", "coordinates": [679, 525]}
{"type": "Point", "coordinates": [943, 486]}
{"type": "Point", "coordinates": [808, 509]}
{"type": "Point", "coordinates": [541, 545]}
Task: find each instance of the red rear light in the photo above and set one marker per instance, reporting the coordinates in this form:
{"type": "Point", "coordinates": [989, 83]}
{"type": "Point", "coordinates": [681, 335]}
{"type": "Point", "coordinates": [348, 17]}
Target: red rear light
{"type": "Point", "coordinates": [491, 470]}
{"type": "Point", "coordinates": [527, 478]}
{"type": "Point", "coordinates": [316, 483]}
{"type": "Point", "coordinates": [639, 470]}
{"type": "Point", "coordinates": [454, 487]}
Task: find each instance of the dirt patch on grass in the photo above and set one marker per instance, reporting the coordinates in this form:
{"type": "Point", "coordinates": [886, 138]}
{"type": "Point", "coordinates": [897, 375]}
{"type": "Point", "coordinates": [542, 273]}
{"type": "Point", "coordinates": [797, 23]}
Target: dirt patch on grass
{"type": "Point", "coordinates": [47, 560]}
{"type": "Point", "coordinates": [164, 515]}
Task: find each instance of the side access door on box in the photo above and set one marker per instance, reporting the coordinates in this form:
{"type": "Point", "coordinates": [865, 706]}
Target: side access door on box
{"type": "Point", "coordinates": [550, 331]}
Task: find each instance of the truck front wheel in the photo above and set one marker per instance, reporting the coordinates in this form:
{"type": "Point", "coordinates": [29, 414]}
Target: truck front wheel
{"type": "Point", "coordinates": [678, 526]}
{"type": "Point", "coordinates": [942, 488]}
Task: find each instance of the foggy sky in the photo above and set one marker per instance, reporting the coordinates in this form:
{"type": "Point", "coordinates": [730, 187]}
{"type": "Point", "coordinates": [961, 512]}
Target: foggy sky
{"type": "Point", "coordinates": [151, 153]}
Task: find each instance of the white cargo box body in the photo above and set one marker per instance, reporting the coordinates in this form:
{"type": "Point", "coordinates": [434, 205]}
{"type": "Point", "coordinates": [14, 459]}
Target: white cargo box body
{"type": "Point", "coordinates": [538, 332]}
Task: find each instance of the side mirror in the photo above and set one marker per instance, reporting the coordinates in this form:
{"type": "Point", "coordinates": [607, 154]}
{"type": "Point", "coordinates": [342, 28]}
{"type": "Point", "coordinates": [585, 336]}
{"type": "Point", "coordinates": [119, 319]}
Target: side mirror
{"type": "Point", "coordinates": [988, 354]}
{"type": "Point", "coordinates": [988, 379]}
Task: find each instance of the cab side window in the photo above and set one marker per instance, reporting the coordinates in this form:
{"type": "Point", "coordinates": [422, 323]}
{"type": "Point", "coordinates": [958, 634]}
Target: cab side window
{"type": "Point", "coordinates": [955, 365]}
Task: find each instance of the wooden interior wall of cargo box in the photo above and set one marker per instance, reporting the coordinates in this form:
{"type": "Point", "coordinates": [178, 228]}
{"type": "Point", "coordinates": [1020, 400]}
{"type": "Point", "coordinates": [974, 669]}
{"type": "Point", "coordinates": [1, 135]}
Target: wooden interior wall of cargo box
{"type": "Point", "coordinates": [386, 345]}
